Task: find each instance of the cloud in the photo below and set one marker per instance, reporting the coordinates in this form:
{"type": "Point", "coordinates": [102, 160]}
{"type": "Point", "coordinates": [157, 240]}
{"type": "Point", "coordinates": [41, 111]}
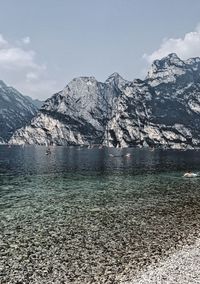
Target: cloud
{"type": "Point", "coordinates": [31, 76]}
{"type": "Point", "coordinates": [16, 57]}
{"type": "Point", "coordinates": [3, 42]}
{"type": "Point", "coordinates": [26, 40]}
{"type": "Point", "coordinates": [20, 68]}
{"type": "Point", "coordinates": [186, 47]}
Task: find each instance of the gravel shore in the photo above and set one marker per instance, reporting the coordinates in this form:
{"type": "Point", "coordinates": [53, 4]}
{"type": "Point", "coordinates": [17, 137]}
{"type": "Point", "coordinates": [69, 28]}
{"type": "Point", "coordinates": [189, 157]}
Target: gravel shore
{"type": "Point", "coordinates": [181, 267]}
{"type": "Point", "coordinates": [102, 229]}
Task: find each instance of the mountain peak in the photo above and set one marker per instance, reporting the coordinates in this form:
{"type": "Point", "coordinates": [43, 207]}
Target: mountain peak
{"type": "Point", "coordinates": [172, 56]}
{"type": "Point", "coordinates": [173, 59]}
{"type": "Point", "coordinates": [114, 75]}
{"type": "Point", "coordinates": [84, 79]}
{"type": "Point", "coordinates": [115, 78]}
{"type": "Point", "coordinates": [169, 60]}
{"type": "Point", "coordinates": [166, 69]}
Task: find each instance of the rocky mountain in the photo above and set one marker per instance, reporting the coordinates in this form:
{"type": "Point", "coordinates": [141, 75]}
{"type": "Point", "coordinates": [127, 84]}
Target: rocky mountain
{"type": "Point", "coordinates": [15, 111]}
{"type": "Point", "coordinates": [161, 111]}
{"type": "Point", "coordinates": [76, 115]}
{"type": "Point", "coordinates": [164, 109]}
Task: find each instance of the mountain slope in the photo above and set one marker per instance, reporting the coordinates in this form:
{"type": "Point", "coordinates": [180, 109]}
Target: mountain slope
{"type": "Point", "coordinates": [76, 115]}
{"type": "Point", "coordinates": [161, 111]}
{"type": "Point", "coordinates": [170, 115]}
{"type": "Point", "coordinates": [15, 111]}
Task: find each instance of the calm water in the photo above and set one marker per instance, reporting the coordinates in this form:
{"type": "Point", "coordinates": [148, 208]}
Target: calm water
{"type": "Point", "coordinates": [93, 215]}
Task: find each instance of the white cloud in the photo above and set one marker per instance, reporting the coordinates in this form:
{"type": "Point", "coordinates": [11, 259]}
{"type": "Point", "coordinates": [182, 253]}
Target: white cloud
{"type": "Point", "coordinates": [186, 47]}
{"type": "Point", "coordinates": [20, 68]}
{"type": "Point", "coordinates": [31, 76]}
{"type": "Point", "coordinates": [16, 57]}
{"type": "Point", "coordinates": [3, 42]}
{"type": "Point", "coordinates": [26, 40]}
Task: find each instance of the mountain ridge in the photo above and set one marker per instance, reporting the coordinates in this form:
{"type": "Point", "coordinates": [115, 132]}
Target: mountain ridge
{"type": "Point", "coordinates": [163, 110]}
{"type": "Point", "coordinates": [15, 111]}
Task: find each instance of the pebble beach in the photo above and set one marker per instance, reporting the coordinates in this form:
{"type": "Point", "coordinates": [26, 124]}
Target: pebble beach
{"type": "Point", "coordinates": [108, 227]}
{"type": "Point", "coordinates": [105, 235]}
{"type": "Point", "coordinates": [181, 267]}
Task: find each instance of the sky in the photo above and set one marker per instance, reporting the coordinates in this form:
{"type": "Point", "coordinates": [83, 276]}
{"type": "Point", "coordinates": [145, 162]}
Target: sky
{"type": "Point", "coordinates": [44, 44]}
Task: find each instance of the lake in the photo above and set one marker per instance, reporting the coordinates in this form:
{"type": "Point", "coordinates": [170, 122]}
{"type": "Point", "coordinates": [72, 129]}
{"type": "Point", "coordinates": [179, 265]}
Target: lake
{"type": "Point", "coordinates": [93, 215]}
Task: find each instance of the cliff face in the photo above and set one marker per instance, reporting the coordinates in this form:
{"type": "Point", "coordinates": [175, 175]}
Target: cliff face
{"type": "Point", "coordinates": [161, 111]}
{"type": "Point", "coordinates": [76, 115]}
{"type": "Point", "coordinates": [164, 109]}
{"type": "Point", "coordinates": [15, 111]}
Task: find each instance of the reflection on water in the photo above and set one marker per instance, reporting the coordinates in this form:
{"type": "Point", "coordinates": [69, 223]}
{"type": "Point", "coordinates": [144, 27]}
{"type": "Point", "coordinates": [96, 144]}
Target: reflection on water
{"type": "Point", "coordinates": [33, 160]}
{"type": "Point", "coordinates": [93, 215]}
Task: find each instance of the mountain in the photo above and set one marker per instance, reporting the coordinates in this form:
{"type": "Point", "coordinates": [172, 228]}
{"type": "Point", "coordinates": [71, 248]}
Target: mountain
{"type": "Point", "coordinates": [76, 115]}
{"type": "Point", "coordinates": [163, 110]}
{"type": "Point", "coordinates": [15, 111]}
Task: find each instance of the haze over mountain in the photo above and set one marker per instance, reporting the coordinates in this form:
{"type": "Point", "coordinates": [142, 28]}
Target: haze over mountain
{"type": "Point", "coordinates": [161, 111]}
{"type": "Point", "coordinates": [35, 102]}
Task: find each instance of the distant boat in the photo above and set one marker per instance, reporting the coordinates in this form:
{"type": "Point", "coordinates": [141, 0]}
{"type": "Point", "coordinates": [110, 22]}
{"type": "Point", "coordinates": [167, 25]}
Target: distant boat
{"type": "Point", "coordinates": [117, 156]}
{"type": "Point", "coordinates": [127, 155]}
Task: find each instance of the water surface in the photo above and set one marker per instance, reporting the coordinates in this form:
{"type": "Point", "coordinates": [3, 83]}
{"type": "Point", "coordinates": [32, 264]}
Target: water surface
{"type": "Point", "coordinates": [93, 215]}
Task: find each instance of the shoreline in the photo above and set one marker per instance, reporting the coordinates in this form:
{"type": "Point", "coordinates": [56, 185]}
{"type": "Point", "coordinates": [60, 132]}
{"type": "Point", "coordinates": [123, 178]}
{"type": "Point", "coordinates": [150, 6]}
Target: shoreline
{"type": "Point", "coordinates": [180, 267]}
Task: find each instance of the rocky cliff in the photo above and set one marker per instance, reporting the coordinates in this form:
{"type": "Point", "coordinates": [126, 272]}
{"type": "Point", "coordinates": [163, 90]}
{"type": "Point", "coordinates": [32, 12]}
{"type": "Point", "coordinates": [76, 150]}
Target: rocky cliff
{"type": "Point", "coordinates": [15, 111]}
{"type": "Point", "coordinates": [161, 111]}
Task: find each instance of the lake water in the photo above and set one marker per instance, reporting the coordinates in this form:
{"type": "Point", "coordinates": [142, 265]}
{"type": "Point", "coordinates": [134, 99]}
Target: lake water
{"type": "Point", "coordinates": [93, 215]}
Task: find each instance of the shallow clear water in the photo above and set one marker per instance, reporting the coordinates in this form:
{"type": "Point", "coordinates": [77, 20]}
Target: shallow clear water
{"type": "Point", "coordinates": [93, 215]}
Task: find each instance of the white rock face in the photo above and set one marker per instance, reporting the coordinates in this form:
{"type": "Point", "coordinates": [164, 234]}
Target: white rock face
{"type": "Point", "coordinates": [76, 115]}
{"type": "Point", "coordinates": [161, 111]}
{"type": "Point", "coordinates": [168, 69]}
{"type": "Point", "coordinates": [15, 111]}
